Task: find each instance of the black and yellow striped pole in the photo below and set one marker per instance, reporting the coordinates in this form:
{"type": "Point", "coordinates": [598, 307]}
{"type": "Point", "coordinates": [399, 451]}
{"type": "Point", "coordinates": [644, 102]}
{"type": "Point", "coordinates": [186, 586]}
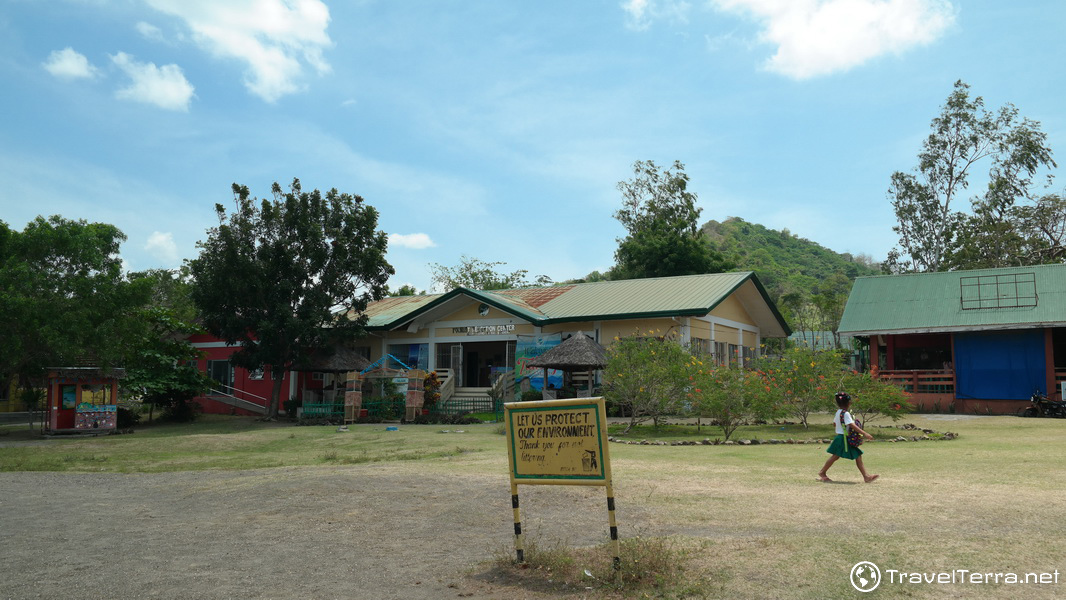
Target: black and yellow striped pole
{"type": "Point", "coordinates": [519, 546]}
{"type": "Point", "coordinates": [614, 526]}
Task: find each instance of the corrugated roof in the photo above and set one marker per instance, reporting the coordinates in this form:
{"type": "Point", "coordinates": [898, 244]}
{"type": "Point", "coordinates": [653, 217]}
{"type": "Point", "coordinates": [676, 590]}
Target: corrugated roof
{"type": "Point", "coordinates": [957, 300]}
{"type": "Point", "coordinates": [692, 294]}
{"type": "Point", "coordinates": [388, 310]}
{"type": "Point", "coordinates": [629, 299]}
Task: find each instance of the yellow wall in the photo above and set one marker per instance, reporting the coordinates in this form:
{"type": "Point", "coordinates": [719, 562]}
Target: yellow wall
{"type": "Point", "coordinates": [699, 329]}
{"type": "Point", "coordinates": [750, 340]}
{"type": "Point", "coordinates": [725, 334]}
{"type": "Point", "coordinates": [469, 312]}
{"type": "Point", "coordinates": [399, 336]}
{"type": "Point", "coordinates": [582, 326]}
{"type": "Point", "coordinates": [657, 327]}
{"type": "Point", "coordinates": [732, 309]}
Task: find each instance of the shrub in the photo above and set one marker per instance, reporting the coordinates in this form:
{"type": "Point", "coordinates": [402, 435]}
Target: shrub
{"type": "Point", "coordinates": [648, 374]}
{"type": "Point", "coordinates": [806, 379]}
{"type": "Point", "coordinates": [730, 396]}
{"type": "Point", "coordinates": [182, 411]}
{"type": "Point", "coordinates": [873, 398]}
{"type": "Point", "coordinates": [127, 418]}
{"type": "Point", "coordinates": [291, 405]}
{"type": "Point", "coordinates": [531, 395]}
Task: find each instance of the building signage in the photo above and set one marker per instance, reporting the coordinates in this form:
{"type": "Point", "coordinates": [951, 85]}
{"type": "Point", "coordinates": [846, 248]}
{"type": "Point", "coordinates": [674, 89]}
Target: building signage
{"type": "Point", "coordinates": [484, 330]}
{"type": "Point", "coordinates": [558, 440]}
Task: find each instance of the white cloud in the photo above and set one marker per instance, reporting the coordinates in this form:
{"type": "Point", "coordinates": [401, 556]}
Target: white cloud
{"type": "Point", "coordinates": [819, 37]}
{"type": "Point", "coordinates": [641, 13]}
{"type": "Point", "coordinates": [161, 246]}
{"type": "Point", "coordinates": [165, 86]}
{"type": "Point", "coordinates": [149, 31]}
{"type": "Point", "coordinates": [416, 241]}
{"type": "Point", "coordinates": [274, 37]}
{"type": "Point", "coordinates": [68, 64]}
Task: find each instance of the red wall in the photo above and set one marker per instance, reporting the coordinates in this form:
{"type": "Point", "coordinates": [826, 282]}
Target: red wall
{"type": "Point", "coordinates": [241, 380]}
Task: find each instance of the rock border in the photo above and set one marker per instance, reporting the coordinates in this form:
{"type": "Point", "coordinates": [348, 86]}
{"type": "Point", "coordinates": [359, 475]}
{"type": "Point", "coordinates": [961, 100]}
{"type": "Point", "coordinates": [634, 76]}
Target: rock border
{"type": "Point", "coordinates": [927, 435]}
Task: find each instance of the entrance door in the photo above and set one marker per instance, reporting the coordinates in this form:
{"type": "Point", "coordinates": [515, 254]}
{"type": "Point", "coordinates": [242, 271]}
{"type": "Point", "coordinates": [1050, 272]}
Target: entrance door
{"type": "Point", "coordinates": [472, 376]}
{"type": "Point", "coordinates": [457, 364]}
{"type": "Point", "coordinates": [222, 372]}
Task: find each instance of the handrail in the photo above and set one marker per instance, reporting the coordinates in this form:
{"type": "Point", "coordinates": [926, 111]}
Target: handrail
{"type": "Point", "coordinates": [447, 388]}
{"type": "Point", "coordinates": [504, 385]}
{"type": "Point", "coordinates": [235, 390]}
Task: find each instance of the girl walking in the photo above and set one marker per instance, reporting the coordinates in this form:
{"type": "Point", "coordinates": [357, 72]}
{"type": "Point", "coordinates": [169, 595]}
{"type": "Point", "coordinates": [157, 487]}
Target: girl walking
{"type": "Point", "coordinates": [840, 448]}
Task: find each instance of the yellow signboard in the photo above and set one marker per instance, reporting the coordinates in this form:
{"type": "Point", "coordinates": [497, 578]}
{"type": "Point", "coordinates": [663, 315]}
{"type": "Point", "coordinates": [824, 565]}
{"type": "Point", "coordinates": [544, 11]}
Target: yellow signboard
{"type": "Point", "coordinates": [558, 441]}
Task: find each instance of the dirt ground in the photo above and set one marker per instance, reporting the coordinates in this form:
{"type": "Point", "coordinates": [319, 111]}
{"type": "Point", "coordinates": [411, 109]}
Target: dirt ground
{"type": "Point", "coordinates": [377, 531]}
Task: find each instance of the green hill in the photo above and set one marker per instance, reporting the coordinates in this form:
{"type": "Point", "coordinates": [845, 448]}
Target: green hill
{"type": "Point", "coordinates": [785, 263]}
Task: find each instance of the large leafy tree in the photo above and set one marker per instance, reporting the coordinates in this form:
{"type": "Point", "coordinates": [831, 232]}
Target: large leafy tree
{"type": "Point", "coordinates": [289, 276]}
{"type": "Point", "coordinates": [62, 297]}
{"type": "Point", "coordinates": [662, 220]}
{"type": "Point", "coordinates": [160, 367]}
{"type": "Point", "coordinates": [476, 274]}
{"type": "Point", "coordinates": [936, 233]}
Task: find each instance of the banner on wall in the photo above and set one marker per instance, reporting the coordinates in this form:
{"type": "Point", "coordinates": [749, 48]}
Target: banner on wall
{"type": "Point", "coordinates": [529, 347]}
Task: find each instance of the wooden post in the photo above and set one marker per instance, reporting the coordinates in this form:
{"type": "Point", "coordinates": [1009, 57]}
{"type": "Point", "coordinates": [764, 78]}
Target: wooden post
{"type": "Point", "coordinates": [1049, 363]}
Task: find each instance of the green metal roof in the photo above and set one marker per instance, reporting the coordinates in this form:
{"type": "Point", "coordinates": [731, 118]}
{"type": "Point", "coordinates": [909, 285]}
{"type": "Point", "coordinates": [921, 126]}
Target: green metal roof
{"type": "Point", "coordinates": [985, 299]}
{"type": "Point", "coordinates": [690, 295]}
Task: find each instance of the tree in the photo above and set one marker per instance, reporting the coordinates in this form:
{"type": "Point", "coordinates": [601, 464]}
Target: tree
{"type": "Point", "coordinates": [647, 375]}
{"type": "Point", "coordinates": [476, 274]}
{"type": "Point", "coordinates": [662, 221]}
{"type": "Point", "coordinates": [805, 378]}
{"type": "Point", "coordinates": [62, 297]}
{"type": "Point", "coordinates": [935, 235]}
{"type": "Point", "coordinates": [873, 398]}
{"type": "Point", "coordinates": [160, 363]}
{"type": "Point", "coordinates": [830, 297]}
{"type": "Point", "coordinates": [290, 276]}
{"type": "Point", "coordinates": [729, 396]}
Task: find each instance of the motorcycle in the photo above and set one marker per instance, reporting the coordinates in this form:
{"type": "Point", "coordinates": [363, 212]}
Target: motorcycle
{"type": "Point", "coordinates": [1042, 407]}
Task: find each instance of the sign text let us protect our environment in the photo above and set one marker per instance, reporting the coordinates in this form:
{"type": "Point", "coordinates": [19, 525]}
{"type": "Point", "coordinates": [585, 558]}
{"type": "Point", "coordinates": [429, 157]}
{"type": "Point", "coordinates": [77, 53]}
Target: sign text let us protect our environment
{"type": "Point", "coordinates": [558, 440]}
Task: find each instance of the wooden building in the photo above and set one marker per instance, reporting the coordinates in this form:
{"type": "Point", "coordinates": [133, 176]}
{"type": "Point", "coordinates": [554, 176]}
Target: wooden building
{"type": "Point", "coordinates": [970, 341]}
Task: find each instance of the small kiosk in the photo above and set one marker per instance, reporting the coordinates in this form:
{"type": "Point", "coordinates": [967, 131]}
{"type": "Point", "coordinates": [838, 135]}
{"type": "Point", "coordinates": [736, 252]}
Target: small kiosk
{"type": "Point", "coordinates": [82, 400]}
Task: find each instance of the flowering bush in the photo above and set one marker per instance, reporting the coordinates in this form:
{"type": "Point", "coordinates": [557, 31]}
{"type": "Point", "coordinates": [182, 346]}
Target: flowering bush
{"type": "Point", "coordinates": [872, 398]}
{"type": "Point", "coordinates": [729, 396]}
{"type": "Point", "coordinates": [646, 375]}
{"type": "Point", "coordinates": [804, 379]}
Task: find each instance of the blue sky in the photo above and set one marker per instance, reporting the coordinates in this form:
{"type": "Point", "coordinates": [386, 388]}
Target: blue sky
{"type": "Point", "coordinates": [497, 129]}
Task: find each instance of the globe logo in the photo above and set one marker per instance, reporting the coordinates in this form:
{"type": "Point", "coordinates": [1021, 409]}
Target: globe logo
{"type": "Point", "coordinates": [865, 576]}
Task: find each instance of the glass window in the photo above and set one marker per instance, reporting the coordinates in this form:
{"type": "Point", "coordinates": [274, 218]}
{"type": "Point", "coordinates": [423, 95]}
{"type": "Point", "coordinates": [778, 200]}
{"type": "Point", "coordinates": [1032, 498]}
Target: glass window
{"type": "Point", "coordinates": [415, 356]}
{"type": "Point", "coordinates": [96, 393]}
{"type": "Point", "coordinates": [221, 371]}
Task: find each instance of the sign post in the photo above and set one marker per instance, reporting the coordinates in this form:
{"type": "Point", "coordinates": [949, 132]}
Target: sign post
{"type": "Point", "coordinates": [559, 442]}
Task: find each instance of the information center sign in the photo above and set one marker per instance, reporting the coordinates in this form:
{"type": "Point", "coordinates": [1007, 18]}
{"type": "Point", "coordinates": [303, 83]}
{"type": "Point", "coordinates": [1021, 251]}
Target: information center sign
{"type": "Point", "coordinates": [558, 441]}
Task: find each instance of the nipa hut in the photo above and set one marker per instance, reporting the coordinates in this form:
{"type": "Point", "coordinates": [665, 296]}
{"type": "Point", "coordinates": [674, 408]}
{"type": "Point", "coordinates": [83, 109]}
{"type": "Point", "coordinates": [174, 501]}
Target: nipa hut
{"type": "Point", "coordinates": [579, 352]}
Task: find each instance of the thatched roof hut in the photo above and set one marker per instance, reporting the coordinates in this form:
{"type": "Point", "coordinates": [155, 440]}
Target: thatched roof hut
{"type": "Point", "coordinates": [341, 360]}
{"type": "Point", "coordinates": [579, 352]}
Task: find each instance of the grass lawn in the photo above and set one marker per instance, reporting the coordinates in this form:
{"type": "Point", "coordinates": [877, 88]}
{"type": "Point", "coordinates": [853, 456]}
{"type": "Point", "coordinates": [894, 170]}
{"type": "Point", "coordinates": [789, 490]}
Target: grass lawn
{"type": "Point", "coordinates": [752, 522]}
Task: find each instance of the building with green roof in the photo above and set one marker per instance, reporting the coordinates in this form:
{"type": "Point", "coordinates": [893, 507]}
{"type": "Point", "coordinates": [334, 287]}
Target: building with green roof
{"type": "Point", "coordinates": [473, 335]}
{"type": "Point", "coordinates": [984, 340]}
